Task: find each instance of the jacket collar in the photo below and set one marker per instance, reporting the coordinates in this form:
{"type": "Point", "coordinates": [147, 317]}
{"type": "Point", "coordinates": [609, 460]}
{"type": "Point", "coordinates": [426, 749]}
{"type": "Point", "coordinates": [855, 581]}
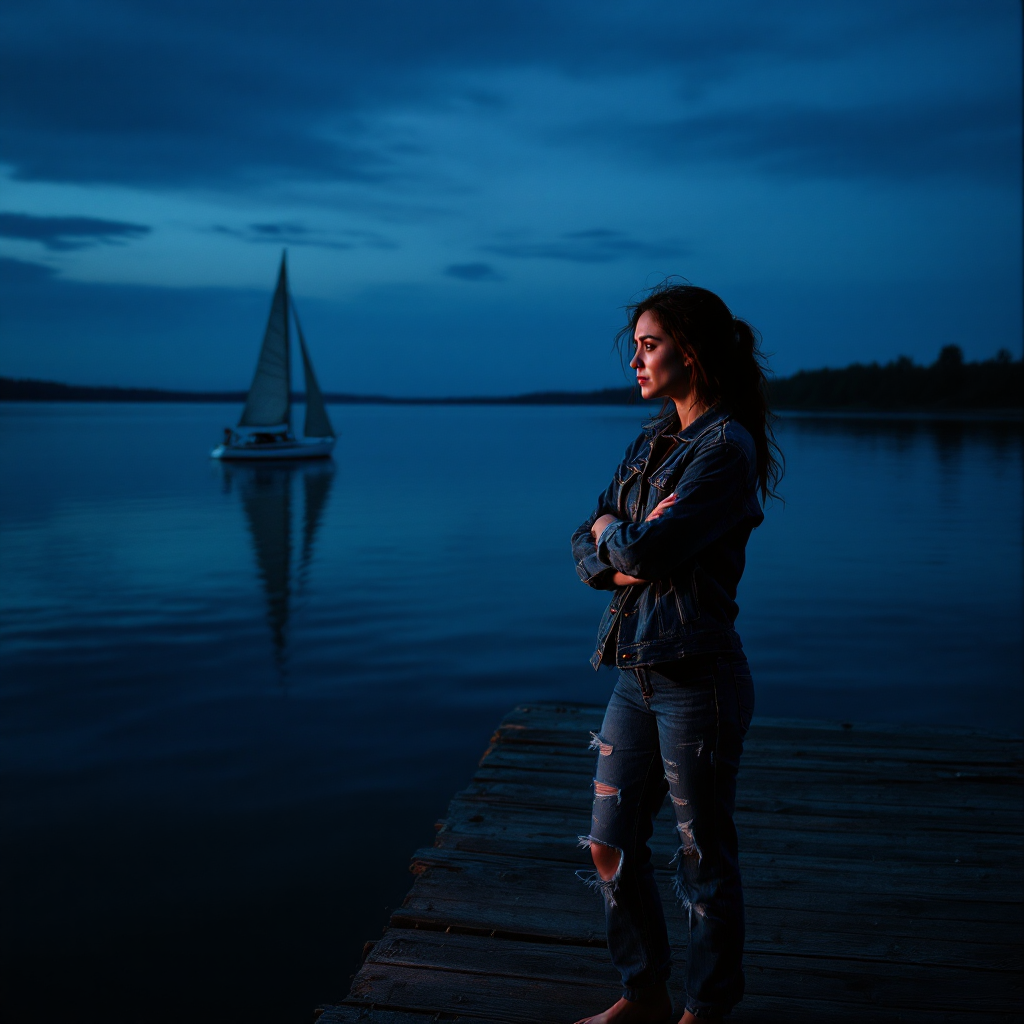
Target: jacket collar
{"type": "Point", "coordinates": [668, 424]}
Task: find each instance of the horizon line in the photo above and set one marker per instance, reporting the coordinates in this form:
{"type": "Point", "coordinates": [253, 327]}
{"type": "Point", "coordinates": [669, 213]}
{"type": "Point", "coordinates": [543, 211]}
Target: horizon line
{"type": "Point", "coordinates": [623, 391]}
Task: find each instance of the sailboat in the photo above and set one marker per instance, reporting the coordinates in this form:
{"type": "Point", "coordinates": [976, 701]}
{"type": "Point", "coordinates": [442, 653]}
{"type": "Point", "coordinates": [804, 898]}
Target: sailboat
{"type": "Point", "coordinates": [265, 429]}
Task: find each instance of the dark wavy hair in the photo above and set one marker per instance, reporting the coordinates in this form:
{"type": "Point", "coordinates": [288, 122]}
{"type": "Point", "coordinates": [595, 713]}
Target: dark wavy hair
{"type": "Point", "coordinates": [728, 369]}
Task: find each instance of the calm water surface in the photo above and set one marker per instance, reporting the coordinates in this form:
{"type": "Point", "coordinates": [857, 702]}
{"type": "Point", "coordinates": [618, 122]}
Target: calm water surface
{"type": "Point", "coordinates": [236, 698]}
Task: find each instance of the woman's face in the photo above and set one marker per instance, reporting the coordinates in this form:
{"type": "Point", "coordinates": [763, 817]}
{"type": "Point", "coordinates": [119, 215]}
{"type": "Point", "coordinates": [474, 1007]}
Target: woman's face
{"type": "Point", "coordinates": [662, 371]}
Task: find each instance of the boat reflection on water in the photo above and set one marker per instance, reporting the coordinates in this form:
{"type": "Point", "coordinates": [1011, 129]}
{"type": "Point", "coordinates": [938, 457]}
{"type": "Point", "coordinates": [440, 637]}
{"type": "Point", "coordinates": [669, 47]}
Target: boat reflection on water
{"type": "Point", "coordinates": [271, 494]}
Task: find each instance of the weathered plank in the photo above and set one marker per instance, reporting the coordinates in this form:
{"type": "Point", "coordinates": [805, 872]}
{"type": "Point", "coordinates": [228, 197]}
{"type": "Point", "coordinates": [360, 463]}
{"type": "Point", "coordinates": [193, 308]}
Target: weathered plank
{"type": "Point", "coordinates": [539, 902]}
{"type": "Point", "coordinates": [477, 869]}
{"type": "Point", "coordinates": [832, 789]}
{"type": "Point", "coordinates": [969, 818]}
{"type": "Point", "coordinates": [499, 979]}
{"type": "Point", "coordinates": [573, 725]}
{"type": "Point", "coordinates": [762, 747]}
{"type": "Point", "coordinates": [985, 864]}
{"type": "Point", "coordinates": [882, 872]}
{"type": "Point", "coordinates": [554, 839]}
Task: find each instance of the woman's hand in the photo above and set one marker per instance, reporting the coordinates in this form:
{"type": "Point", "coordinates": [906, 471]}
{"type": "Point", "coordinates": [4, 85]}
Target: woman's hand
{"type": "Point", "coordinates": [620, 579]}
{"type": "Point", "coordinates": [663, 506]}
{"type": "Point", "coordinates": [600, 525]}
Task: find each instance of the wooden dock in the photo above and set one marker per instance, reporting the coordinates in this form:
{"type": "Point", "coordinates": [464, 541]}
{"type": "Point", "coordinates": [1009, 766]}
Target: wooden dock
{"type": "Point", "coordinates": [882, 869]}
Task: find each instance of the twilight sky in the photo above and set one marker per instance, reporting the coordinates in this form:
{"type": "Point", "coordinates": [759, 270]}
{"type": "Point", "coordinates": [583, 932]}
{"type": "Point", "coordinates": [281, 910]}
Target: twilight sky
{"type": "Point", "coordinates": [469, 192]}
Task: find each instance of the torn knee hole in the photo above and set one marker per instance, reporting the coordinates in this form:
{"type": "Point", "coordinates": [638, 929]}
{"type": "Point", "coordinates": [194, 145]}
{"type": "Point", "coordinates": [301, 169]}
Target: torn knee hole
{"type": "Point", "coordinates": [688, 844]}
{"type": "Point", "coordinates": [606, 859]}
{"type": "Point", "coordinates": [603, 789]}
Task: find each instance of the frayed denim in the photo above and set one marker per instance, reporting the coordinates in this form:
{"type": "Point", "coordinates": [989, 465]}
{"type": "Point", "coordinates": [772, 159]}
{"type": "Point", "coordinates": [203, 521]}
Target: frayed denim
{"type": "Point", "coordinates": [676, 730]}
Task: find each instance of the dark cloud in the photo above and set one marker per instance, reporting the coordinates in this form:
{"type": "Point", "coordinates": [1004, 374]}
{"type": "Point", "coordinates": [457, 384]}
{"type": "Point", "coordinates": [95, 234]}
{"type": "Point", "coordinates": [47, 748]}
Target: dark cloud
{"type": "Point", "coordinates": [63, 233]}
{"type": "Point", "coordinates": [980, 138]}
{"type": "Point", "coordinates": [597, 245]}
{"type": "Point", "coordinates": [473, 272]}
{"type": "Point", "coordinates": [276, 231]}
{"type": "Point", "coordinates": [192, 93]}
{"type": "Point", "coordinates": [186, 93]}
{"type": "Point", "coordinates": [289, 233]}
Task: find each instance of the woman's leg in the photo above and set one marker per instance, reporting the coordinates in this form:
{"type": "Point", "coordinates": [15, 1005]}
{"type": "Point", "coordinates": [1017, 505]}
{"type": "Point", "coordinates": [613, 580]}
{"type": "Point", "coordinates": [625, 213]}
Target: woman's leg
{"type": "Point", "coordinates": [703, 715]}
{"type": "Point", "coordinates": [629, 787]}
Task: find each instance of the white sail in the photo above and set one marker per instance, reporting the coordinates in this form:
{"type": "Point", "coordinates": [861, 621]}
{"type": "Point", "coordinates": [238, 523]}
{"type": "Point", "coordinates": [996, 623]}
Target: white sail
{"type": "Point", "coordinates": [269, 400]}
{"type": "Point", "coordinates": [317, 422]}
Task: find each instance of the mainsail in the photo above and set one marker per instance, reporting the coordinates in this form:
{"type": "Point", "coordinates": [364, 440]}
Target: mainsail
{"type": "Point", "coordinates": [269, 401]}
{"type": "Point", "coordinates": [317, 422]}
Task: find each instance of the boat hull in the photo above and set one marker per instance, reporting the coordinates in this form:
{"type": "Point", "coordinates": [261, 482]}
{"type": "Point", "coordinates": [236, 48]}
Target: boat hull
{"type": "Point", "coordinates": [295, 448]}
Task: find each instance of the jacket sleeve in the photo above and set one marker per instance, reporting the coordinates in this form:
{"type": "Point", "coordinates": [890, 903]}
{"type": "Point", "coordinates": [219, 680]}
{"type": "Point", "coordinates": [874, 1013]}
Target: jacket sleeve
{"type": "Point", "coordinates": [712, 499]}
{"type": "Point", "coordinates": [592, 568]}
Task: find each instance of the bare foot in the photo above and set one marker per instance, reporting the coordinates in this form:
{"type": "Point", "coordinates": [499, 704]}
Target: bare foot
{"type": "Point", "coordinates": [654, 1010]}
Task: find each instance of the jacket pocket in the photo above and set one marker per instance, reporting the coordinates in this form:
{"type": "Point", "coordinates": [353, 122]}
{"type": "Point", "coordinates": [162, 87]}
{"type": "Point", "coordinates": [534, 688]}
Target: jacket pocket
{"type": "Point", "coordinates": [627, 479]}
{"type": "Point", "coordinates": [668, 614]}
{"type": "Point", "coordinates": [626, 473]}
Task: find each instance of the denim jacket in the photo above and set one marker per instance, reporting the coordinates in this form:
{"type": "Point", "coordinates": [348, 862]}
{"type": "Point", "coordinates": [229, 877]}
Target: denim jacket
{"type": "Point", "coordinates": [692, 556]}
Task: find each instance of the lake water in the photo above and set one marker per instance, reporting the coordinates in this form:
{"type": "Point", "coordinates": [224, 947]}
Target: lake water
{"type": "Point", "coordinates": [235, 699]}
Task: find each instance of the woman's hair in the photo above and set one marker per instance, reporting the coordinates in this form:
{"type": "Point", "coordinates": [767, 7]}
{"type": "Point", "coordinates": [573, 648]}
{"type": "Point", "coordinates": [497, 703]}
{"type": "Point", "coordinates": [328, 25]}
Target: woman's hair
{"type": "Point", "coordinates": [728, 368]}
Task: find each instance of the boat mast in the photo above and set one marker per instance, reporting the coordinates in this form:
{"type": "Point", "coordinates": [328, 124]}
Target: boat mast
{"type": "Point", "coordinates": [287, 345]}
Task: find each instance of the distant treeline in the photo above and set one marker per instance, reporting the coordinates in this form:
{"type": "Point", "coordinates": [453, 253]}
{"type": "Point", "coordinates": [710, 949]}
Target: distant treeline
{"type": "Point", "coordinates": [949, 384]}
{"type": "Point", "coordinates": [13, 389]}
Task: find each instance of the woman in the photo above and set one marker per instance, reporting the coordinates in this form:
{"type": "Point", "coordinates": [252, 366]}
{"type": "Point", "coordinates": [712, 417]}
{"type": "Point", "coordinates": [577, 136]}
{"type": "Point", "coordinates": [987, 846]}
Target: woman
{"type": "Point", "coordinates": [668, 538]}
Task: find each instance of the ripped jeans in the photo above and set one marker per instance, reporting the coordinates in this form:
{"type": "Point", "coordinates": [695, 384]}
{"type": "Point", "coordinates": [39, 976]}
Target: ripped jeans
{"type": "Point", "coordinates": [678, 729]}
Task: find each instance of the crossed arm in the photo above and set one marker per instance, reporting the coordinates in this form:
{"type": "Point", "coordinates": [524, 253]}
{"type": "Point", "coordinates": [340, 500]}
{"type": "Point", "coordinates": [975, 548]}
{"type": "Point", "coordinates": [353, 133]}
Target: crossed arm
{"type": "Point", "coordinates": [620, 579]}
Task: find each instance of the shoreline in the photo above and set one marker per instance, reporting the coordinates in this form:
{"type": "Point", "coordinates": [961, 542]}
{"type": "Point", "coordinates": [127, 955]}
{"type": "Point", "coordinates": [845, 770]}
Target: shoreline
{"type": "Point", "coordinates": [874, 415]}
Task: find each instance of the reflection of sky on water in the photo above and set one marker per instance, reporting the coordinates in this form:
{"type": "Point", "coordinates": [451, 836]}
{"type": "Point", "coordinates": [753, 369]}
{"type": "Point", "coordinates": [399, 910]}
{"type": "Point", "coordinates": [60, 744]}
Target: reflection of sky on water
{"type": "Point", "coordinates": [268, 496]}
{"type": "Point", "coordinates": [444, 551]}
